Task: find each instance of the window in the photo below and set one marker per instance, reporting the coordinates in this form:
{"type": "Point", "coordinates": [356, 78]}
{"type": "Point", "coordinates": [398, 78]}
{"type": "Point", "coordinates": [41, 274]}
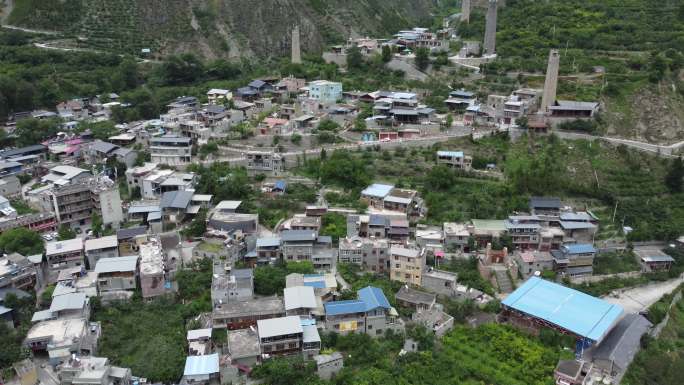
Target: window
{"type": "Point", "coordinates": [378, 332]}
{"type": "Point", "coordinates": [370, 327]}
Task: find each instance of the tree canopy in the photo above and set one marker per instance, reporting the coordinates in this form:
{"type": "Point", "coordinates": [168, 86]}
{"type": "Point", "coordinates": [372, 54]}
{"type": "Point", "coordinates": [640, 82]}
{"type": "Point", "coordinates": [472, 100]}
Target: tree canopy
{"type": "Point", "coordinates": [22, 241]}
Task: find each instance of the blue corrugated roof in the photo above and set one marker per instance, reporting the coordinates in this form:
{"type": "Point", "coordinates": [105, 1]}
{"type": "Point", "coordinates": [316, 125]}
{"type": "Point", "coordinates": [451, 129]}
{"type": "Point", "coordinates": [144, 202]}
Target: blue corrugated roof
{"type": "Point", "coordinates": [268, 242]}
{"type": "Point", "coordinates": [201, 365]}
{"type": "Point", "coordinates": [316, 284]}
{"type": "Point", "coordinates": [373, 297]}
{"type": "Point", "coordinates": [345, 307]}
{"type": "Point", "coordinates": [377, 190]}
{"type": "Point", "coordinates": [453, 154]}
{"type": "Point", "coordinates": [567, 308]}
{"type": "Point", "coordinates": [280, 185]}
{"type": "Point", "coordinates": [579, 248]}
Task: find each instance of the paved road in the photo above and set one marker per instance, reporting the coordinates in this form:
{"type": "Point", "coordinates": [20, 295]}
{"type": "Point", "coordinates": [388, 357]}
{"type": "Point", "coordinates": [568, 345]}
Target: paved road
{"type": "Point", "coordinates": [666, 150]}
{"type": "Point", "coordinates": [640, 298]}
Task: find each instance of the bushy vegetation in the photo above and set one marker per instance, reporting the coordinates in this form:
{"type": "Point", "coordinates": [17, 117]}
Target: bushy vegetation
{"type": "Point", "coordinates": [148, 337]}
{"type": "Point", "coordinates": [615, 262]}
{"type": "Point", "coordinates": [270, 280]}
{"type": "Point", "coordinates": [22, 241]}
{"type": "Point", "coordinates": [660, 361]}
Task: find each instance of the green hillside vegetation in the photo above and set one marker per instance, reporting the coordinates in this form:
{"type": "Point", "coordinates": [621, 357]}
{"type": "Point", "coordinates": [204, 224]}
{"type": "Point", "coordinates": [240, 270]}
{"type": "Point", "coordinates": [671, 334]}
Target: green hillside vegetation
{"type": "Point", "coordinates": [228, 28]}
{"type": "Point", "coordinates": [489, 354]}
{"type": "Point", "coordinates": [661, 361]}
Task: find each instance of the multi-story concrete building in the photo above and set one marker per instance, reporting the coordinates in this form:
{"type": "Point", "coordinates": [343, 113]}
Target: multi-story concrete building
{"type": "Point", "coordinates": [301, 301]}
{"type": "Point", "coordinates": [153, 280]}
{"type": "Point", "coordinates": [63, 175]}
{"type": "Point", "coordinates": [171, 150]}
{"type": "Point", "coordinates": [158, 182]}
{"type": "Point", "coordinates": [371, 313]}
{"type": "Point", "coordinates": [373, 254]}
{"type": "Point", "coordinates": [406, 265]}
{"type": "Point", "coordinates": [288, 336]}
{"type": "Point", "coordinates": [105, 247]}
{"type": "Point", "coordinates": [531, 261]}
{"type": "Point", "coordinates": [92, 371]}
{"type": "Point", "coordinates": [218, 96]}
{"type": "Point", "coordinates": [265, 161]}
{"type": "Point", "coordinates": [117, 274]}
{"type": "Point", "coordinates": [574, 259]}
{"type": "Point", "coordinates": [325, 92]}
{"type": "Point", "coordinates": [39, 222]}
{"type": "Point", "coordinates": [524, 231]}
{"type": "Point", "coordinates": [75, 204]}
{"type": "Point", "coordinates": [307, 245]}
{"type": "Point", "coordinates": [236, 285]}
{"type": "Point", "coordinates": [455, 159]}
{"type": "Point", "coordinates": [456, 236]}
{"type": "Point", "coordinates": [439, 281]}
{"type": "Point", "coordinates": [63, 337]}
{"type": "Point", "coordinates": [16, 271]}
{"type": "Point", "coordinates": [64, 254]}
{"type": "Point", "coordinates": [243, 314]}
{"type": "Point", "coordinates": [303, 222]}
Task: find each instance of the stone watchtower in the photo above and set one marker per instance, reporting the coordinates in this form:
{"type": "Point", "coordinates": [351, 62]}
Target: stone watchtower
{"type": "Point", "coordinates": [296, 48]}
{"type": "Point", "coordinates": [490, 29]}
{"type": "Point", "coordinates": [551, 81]}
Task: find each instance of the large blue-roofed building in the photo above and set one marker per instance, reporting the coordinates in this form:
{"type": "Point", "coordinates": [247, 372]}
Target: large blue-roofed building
{"type": "Point", "coordinates": [539, 303]}
{"type": "Point", "coordinates": [371, 313]}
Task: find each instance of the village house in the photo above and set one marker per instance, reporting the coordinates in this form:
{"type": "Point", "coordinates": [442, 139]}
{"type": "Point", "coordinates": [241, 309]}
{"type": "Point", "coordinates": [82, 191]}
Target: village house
{"type": "Point", "coordinates": [456, 236]}
{"type": "Point", "coordinates": [372, 254]}
{"type": "Point", "coordinates": [130, 238]}
{"type": "Point", "coordinates": [264, 161]}
{"type": "Point", "coordinates": [435, 319]}
{"type": "Point", "coordinates": [243, 314]}
{"type": "Point", "coordinates": [218, 96]}
{"type": "Point", "coordinates": [64, 254]}
{"type": "Point", "coordinates": [287, 336]}
{"type": "Point", "coordinates": [171, 150]}
{"type": "Point", "coordinates": [243, 347]}
{"type": "Point", "coordinates": [117, 274]}
{"type": "Point", "coordinates": [105, 247]}
{"type": "Point", "coordinates": [89, 370]}
{"type": "Point", "coordinates": [62, 337]}
{"type": "Point", "coordinates": [574, 259]}
{"type": "Point", "coordinates": [406, 265]}
{"type": "Point", "coordinates": [415, 299]}
{"type": "Point", "coordinates": [371, 313]}
{"type": "Point", "coordinates": [325, 92]}
{"type": "Point", "coordinates": [201, 370]}
{"type": "Point", "coordinates": [328, 365]}
{"type": "Point", "coordinates": [267, 250]}
{"type": "Point", "coordinates": [532, 261]}
{"type": "Point", "coordinates": [302, 301]}
{"type": "Point", "coordinates": [325, 285]}
{"type": "Point", "coordinates": [18, 272]}
{"type": "Point", "coordinates": [303, 222]}
{"type": "Point", "coordinates": [307, 245]}
{"type": "Point", "coordinates": [64, 175]}
{"type": "Point", "coordinates": [459, 100]}
{"type": "Point", "coordinates": [572, 109]}
{"type": "Point", "coordinates": [153, 280]}
{"type": "Point", "coordinates": [455, 159]}
{"type": "Point", "coordinates": [199, 341]}
{"type": "Point", "coordinates": [233, 285]}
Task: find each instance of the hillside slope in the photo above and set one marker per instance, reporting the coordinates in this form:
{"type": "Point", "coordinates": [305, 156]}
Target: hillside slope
{"type": "Point", "coordinates": [218, 28]}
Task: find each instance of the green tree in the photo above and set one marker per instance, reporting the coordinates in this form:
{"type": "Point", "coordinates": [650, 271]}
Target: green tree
{"type": "Point", "coordinates": [65, 232]}
{"type": "Point", "coordinates": [22, 241]}
{"type": "Point", "coordinates": [422, 58]}
{"type": "Point", "coordinates": [31, 131]}
{"type": "Point", "coordinates": [354, 58]}
{"type": "Point", "coordinates": [97, 226]}
{"type": "Point", "coordinates": [100, 130]}
{"type": "Point", "coordinates": [334, 225]}
{"type": "Point", "coordinates": [673, 179]}
{"type": "Point", "coordinates": [386, 53]}
{"type": "Point", "coordinates": [198, 226]}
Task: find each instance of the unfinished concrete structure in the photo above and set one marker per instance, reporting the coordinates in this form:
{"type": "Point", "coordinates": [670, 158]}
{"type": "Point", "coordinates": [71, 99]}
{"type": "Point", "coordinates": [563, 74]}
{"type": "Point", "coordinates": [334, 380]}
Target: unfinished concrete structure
{"type": "Point", "coordinates": [551, 81]}
{"type": "Point", "coordinates": [296, 47]}
{"type": "Point", "coordinates": [465, 11]}
{"type": "Point", "coordinates": [490, 29]}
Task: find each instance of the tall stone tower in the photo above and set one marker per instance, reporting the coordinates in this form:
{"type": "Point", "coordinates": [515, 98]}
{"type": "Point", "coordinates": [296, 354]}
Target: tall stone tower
{"type": "Point", "coordinates": [551, 81]}
{"type": "Point", "coordinates": [490, 29]}
{"type": "Point", "coordinates": [296, 48]}
{"type": "Point", "coordinates": [465, 11]}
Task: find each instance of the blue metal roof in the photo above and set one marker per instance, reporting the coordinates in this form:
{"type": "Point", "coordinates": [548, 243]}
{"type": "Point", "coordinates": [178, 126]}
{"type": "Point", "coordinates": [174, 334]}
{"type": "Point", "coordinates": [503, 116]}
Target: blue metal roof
{"type": "Point", "coordinates": [201, 365]}
{"type": "Point", "coordinates": [345, 307]}
{"type": "Point", "coordinates": [377, 190]}
{"type": "Point", "coordinates": [280, 185]}
{"type": "Point", "coordinates": [377, 220]}
{"type": "Point", "coordinates": [453, 154]}
{"type": "Point", "coordinates": [579, 248]}
{"type": "Point", "coordinates": [268, 242]}
{"type": "Point", "coordinates": [580, 313]}
{"type": "Point", "coordinates": [373, 297]}
{"type": "Point", "coordinates": [316, 284]}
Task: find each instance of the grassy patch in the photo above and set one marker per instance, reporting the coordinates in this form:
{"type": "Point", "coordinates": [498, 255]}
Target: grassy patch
{"type": "Point", "coordinates": [615, 262]}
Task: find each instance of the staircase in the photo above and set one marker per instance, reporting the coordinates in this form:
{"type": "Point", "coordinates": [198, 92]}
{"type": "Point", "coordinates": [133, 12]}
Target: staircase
{"type": "Point", "coordinates": [503, 281]}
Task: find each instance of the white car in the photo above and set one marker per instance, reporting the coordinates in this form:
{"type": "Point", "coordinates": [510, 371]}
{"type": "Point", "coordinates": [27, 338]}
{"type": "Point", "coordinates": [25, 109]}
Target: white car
{"type": "Point", "coordinates": [47, 237]}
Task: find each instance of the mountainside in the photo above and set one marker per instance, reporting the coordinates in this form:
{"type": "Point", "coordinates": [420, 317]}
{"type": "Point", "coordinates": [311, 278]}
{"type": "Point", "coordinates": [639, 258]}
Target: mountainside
{"type": "Point", "coordinates": [218, 28]}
